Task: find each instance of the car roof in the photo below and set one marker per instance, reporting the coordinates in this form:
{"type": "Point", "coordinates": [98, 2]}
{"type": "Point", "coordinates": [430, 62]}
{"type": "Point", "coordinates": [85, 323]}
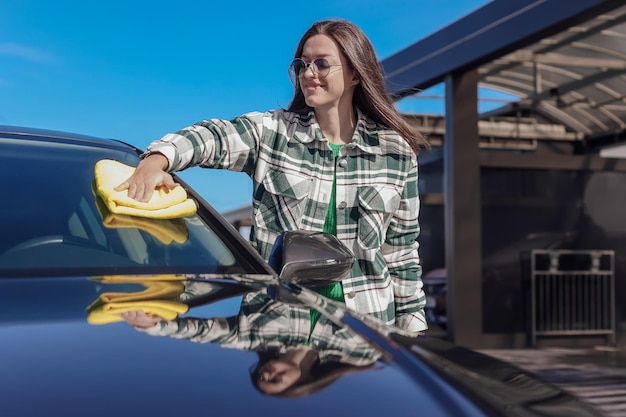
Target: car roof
{"type": "Point", "coordinates": [30, 133]}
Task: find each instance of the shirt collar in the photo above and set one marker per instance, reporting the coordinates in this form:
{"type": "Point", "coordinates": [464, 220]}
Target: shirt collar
{"type": "Point", "coordinates": [365, 133]}
{"type": "Point", "coordinates": [312, 132]}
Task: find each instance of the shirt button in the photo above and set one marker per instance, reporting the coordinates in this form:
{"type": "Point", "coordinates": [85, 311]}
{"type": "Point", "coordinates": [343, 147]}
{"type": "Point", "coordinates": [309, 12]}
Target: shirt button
{"type": "Point", "coordinates": [342, 205]}
{"type": "Point", "coordinates": [343, 163]}
{"type": "Point", "coordinates": [351, 294]}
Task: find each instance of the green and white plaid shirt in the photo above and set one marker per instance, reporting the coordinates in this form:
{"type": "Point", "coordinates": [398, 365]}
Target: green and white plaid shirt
{"type": "Point", "coordinates": [265, 325]}
{"type": "Point", "coordinates": [292, 168]}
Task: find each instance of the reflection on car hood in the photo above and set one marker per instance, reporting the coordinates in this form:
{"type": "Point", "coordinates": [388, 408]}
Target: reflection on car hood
{"type": "Point", "coordinates": [69, 347]}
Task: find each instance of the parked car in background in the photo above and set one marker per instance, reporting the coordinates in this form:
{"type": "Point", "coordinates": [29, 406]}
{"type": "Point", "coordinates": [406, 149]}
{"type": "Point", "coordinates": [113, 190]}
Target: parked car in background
{"type": "Point", "coordinates": [435, 287]}
{"type": "Point", "coordinates": [104, 314]}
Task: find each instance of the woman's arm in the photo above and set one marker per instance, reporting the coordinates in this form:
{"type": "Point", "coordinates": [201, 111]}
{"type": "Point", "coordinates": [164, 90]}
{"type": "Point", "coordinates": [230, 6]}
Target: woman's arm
{"type": "Point", "coordinates": [218, 330]}
{"type": "Point", "coordinates": [214, 143]}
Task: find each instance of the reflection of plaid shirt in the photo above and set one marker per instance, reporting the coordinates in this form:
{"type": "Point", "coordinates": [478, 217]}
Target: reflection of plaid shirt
{"type": "Point", "coordinates": [292, 169]}
{"type": "Point", "coordinates": [264, 325]}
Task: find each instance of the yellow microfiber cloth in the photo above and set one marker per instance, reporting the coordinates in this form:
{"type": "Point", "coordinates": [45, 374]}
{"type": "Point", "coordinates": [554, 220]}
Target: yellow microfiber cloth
{"type": "Point", "coordinates": [137, 279]}
{"type": "Point", "coordinates": [164, 203]}
{"type": "Point", "coordinates": [156, 299]}
{"type": "Point", "coordinates": [110, 312]}
{"type": "Point", "coordinates": [164, 230]}
{"type": "Point", "coordinates": [153, 291]}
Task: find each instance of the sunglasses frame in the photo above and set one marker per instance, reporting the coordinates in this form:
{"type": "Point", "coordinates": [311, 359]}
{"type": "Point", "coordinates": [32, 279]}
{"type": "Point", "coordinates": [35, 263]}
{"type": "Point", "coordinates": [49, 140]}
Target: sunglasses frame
{"type": "Point", "coordinates": [315, 69]}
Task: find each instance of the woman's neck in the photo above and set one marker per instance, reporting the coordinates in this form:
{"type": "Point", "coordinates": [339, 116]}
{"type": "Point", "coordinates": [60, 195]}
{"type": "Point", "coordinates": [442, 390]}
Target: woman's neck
{"type": "Point", "coordinates": [337, 124]}
{"type": "Point", "coordinates": [301, 356]}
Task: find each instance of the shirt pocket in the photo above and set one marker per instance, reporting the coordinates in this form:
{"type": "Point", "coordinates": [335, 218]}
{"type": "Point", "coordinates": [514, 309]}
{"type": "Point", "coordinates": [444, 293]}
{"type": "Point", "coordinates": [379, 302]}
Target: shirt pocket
{"type": "Point", "coordinates": [376, 207]}
{"type": "Point", "coordinates": [283, 200]}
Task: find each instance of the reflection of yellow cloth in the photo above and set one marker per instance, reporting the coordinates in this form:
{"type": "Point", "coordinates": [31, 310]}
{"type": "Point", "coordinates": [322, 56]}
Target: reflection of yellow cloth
{"type": "Point", "coordinates": [137, 279]}
{"type": "Point", "coordinates": [165, 230]}
{"type": "Point", "coordinates": [110, 312]}
{"type": "Point", "coordinates": [153, 291]}
{"type": "Point", "coordinates": [164, 203]}
{"type": "Point", "coordinates": [156, 299]}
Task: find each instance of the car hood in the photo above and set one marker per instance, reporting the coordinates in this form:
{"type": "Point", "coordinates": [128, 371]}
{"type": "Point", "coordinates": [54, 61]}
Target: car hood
{"type": "Point", "coordinates": [66, 351]}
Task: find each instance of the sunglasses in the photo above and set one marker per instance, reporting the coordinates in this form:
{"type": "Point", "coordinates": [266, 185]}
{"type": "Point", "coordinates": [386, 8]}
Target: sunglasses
{"type": "Point", "coordinates": [320, 68]}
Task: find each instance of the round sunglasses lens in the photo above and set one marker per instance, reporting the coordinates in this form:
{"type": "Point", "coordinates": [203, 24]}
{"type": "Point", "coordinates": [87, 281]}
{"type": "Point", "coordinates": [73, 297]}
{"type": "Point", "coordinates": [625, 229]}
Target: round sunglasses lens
{"type": "Point", "coordinates": [298, 66]}
{"type": "Point", "coordinates": [293, 75]}
{"type": "Point", "coordinates": [322, 64]}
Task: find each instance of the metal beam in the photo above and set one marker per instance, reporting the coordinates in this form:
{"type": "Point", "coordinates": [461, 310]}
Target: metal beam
{"type": "Point", "coordinates": [497, 29]}
{"type": "Point", "coordinates": [561, 60]}
{"type": "Point", "coordinates": [574, 85]}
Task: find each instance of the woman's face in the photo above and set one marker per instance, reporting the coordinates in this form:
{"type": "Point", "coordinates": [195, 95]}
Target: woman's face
{"type": "Point", "coordinates": [277, 375]}
{"type": "Point", "coordinates": [335, 88]}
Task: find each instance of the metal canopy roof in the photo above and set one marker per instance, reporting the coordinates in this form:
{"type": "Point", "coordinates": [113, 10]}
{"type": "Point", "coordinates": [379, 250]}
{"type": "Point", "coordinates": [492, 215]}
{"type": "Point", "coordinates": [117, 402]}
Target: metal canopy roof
{"type": "Point", "coordinates": [566, 61]}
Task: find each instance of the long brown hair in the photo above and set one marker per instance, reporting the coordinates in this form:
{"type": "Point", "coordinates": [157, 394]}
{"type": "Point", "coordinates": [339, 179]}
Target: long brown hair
{"type": "Point", "coordinates": [370, 94]}
{"type": "Point", "coordinates": [322, 375]}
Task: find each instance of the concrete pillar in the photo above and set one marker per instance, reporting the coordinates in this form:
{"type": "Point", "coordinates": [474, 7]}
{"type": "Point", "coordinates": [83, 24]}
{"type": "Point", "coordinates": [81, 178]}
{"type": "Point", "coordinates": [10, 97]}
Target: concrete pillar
{"type": "Point", "coordinates": [462, 208]}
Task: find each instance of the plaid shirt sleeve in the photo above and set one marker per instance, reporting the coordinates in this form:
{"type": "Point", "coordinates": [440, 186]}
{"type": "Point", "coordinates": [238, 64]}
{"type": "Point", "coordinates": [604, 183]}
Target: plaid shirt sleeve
{"type": "Point", "coordinates": [215, 143]}
{"type": "Point", "coordinates": [196, 330]}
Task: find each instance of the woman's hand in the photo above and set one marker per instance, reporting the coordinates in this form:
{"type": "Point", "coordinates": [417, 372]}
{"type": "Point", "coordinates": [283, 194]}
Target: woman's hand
{"type": "Point", "coordinates": [139, 319]}
{"type": "Point", "coordinates": [149, 174]}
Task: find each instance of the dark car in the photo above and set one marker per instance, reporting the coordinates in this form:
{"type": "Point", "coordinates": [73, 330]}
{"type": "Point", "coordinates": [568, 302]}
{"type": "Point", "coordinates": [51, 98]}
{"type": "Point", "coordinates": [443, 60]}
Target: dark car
{"type": "Point", "coordinates": [105, 315]}
{"type": "Point", "coordinates": [435, 287]}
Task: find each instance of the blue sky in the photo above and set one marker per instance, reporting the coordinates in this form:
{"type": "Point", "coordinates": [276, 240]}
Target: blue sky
{"type": "Point", "coordinates": [135, 70]}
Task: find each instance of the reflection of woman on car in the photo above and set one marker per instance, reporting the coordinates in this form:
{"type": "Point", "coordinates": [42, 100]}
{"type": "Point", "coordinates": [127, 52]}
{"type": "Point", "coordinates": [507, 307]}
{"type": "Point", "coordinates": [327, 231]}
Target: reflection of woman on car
{"type": "Point", "coordinates": [299, 353]}
{"type": "Point", "coordinates": [297, 372]}
{"type": "Point", "coordinates": [340, 159]}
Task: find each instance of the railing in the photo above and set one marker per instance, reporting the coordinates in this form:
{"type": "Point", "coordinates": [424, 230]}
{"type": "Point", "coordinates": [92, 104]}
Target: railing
{"type": "Point", "coordinates": [572, 293]}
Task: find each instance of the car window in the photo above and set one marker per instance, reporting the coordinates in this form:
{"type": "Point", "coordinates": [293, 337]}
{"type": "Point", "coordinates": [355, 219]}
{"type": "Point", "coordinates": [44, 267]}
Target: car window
{"type": "Point", "coordinates": [52, 219]}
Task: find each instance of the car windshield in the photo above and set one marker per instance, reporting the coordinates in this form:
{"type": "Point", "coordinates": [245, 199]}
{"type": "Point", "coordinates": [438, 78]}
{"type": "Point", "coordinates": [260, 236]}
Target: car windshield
{"type": "Point", "coordinates": [51, 220]}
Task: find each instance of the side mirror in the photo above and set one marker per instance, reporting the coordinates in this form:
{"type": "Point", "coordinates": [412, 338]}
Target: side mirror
{"type": "Point", "coordinates": [310, 259]}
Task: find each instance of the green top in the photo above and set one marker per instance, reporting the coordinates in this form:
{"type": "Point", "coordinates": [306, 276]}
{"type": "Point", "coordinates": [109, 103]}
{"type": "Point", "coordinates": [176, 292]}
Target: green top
{"type": "Point", "coordinates": [330, 226]}
{"type": "Point", "coordinates": [333, 291]}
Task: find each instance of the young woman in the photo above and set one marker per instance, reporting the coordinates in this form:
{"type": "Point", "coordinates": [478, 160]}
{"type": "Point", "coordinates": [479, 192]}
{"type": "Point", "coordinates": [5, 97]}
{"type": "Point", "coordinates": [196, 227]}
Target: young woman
{"type": "Point", "coordinates": [339, 159]}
